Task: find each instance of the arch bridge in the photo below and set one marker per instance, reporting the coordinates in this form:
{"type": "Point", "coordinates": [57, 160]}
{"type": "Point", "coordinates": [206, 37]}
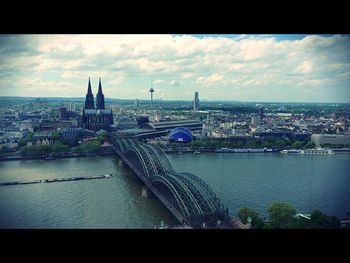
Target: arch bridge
{"type": "Point", "coordinates": [188, 197]}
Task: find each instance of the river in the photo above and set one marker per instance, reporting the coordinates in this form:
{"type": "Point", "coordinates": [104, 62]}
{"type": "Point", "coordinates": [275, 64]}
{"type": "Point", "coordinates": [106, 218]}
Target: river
{"type": "Point", "coordinates": [307, 182]}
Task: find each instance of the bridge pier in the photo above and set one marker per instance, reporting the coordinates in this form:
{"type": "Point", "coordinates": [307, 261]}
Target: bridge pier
{"type": "Point", "coordinates": [147, 193]}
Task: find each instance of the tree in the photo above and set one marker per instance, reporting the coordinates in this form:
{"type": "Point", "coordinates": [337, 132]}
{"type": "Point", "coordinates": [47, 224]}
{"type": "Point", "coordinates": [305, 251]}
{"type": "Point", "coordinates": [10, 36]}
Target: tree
{"type": "Point", "coordinates": [300, 223]}
{"type": "Point", "coordinates": [60, 148]}
{"type": "Point", "coordinates": [280, 143]}
{"type": "Point", "coordinates": [280, 215]}
{"type": "Point", "coordinates": [298, 144]}
{"type": "Point", "coordinates": [245, 212]}
{"type": "Point", "coordinates": [55, 136]}
{"type": "Point", "coordinates": [23, 142]}
{"type": "Point", "coordinates": [320, 220]}
{"type": "Point", "coordinates": [35, 149]}
{"type": "Point", "coordinates": [101, 137]}
{"type": "Point", "coordinates": [310, 145]}
{"type": "Point", "coordinates": [90, 147]}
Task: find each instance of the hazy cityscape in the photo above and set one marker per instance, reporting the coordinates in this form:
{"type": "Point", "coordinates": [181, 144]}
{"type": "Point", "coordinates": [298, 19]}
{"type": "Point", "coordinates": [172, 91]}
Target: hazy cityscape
{"type": "Point", "coordinates": [180, 131]}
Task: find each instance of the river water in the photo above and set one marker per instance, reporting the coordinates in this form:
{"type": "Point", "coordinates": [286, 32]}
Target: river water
{"type": "Point", "coordinates": [307, 182]}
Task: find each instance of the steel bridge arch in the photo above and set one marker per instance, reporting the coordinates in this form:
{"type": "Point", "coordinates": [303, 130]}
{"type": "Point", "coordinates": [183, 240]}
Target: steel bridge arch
{"type": "Point", "coordinates": [179, 201]}
{"type": "Point", "coordinates": [133, 152]}
{"type": "Point", "coordinates": [190, 195]}
{"type": "Point", "coordinates": [191, 202]}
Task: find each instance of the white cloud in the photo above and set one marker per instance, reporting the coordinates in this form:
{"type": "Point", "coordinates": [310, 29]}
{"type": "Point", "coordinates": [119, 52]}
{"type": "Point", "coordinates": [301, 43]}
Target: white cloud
{"type": "Point", "coordinates": [117, 80]}
{"type": "Point", "coordinates": [305, 67]}
{"type": "Point", "coordinates": [187, 75]}
{"type": "Point", "coordinates": [157, 81]}
{"type": "Point", "coordinates": [175, 82]}
{"type": "Point", "coordinates": [251, 82]}
{"type": "Point", "coordinates": [316, 82]}
{"type": "Point", "coordinates": [213, 79]}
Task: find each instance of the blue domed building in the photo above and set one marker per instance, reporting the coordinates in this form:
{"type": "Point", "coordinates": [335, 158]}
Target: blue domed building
{"type": "Point", "coordinates": [180, 135]}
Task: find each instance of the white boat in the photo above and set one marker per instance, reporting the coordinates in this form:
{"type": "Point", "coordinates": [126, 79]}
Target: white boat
{"type": "Point", "coordinates": [308, 151]}
{"type": "Point", "coordinates": [223, 150]}
{"type": "Point", "coordinates": [197, 152]}
{"type": "Point", "coordinates": [317, 151]}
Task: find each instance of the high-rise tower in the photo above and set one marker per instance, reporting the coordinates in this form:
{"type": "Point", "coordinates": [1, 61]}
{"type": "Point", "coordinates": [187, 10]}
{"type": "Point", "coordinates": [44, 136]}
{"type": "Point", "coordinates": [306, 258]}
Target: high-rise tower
{"type": "Point", "coordinates": [89, 100]}
{"type": "Point", "coordinates": [196, 101]}
{"type": "Point", "coordinates": [100, 98]}
{"type": "Point", "coordinates": [151, 91]}
{"type": "Point", "coordinates": [261, 112]}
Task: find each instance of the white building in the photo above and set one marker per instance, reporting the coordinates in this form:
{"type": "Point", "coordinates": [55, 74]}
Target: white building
{"type": "Point", "coordinates": [320, 139]}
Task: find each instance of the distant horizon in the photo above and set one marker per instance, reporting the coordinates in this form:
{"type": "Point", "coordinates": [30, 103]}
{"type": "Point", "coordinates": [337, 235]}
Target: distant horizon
{"type": "Point", "coordinates": [233, 101]}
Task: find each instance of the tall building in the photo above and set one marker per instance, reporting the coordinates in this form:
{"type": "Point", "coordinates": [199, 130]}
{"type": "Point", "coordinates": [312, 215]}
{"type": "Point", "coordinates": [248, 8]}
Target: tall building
{"type": "Point", "coordinates": [196, 101]}
{"type": "Point", "coordinates": [62, 113]}
{"type": "Point", "coordinates": [330, 139]}
{"type": "Point", "coordinates": [71, 107]}
{"type": "Point", "coordinates": [98, 118]}
{"type": "Point", "coordinates": [137, 103]}
{"type": "Point", "coordinates": [261, 112]}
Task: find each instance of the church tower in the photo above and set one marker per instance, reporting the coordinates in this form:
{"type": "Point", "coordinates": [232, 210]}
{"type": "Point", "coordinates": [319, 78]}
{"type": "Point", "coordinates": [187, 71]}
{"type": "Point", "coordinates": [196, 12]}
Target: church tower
{"type": "Point", "coordinates": [89, 100]}
{"type": "Point", "coordinates": [100, 98]}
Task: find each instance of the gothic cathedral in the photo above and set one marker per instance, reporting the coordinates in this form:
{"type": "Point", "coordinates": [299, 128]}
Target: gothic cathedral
{"type": "Point", "coordinates": [96, 118]}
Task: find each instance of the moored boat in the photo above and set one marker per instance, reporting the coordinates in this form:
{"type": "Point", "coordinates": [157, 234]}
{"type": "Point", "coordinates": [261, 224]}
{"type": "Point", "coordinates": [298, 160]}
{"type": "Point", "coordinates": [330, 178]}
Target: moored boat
{"type": "Point", "coordinates": [308, 151]}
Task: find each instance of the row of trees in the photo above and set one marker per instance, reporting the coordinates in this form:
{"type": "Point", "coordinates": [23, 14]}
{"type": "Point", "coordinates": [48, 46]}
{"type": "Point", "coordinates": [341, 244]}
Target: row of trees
{"type": "Point", "coordinates": [93, 146]}
{"type": "Point", "coordinates": [57, 148]}
{"type": "Point", "coordinates": [283, 216]}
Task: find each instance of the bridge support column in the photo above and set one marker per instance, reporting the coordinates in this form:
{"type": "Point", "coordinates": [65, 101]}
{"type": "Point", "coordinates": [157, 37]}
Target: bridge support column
{"type": "Point", "coordinates": [146, 193]}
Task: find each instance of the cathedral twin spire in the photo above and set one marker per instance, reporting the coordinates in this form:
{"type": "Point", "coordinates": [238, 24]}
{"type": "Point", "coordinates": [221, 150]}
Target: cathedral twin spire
{"type": "Point", "coordinates": [100, 100]}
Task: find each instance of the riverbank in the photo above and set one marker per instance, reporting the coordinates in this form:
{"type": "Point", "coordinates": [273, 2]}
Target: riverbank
{"type": "Point", "coordinates": [110, 152]}
{"type": "Point", "coordinates": [71, 155]}
{"type": "Point", "coordinates": [239, 150]}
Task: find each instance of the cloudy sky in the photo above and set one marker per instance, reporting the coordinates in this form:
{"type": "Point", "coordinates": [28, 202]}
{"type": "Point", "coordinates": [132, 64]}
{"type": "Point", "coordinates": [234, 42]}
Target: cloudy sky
{"type": "Point", "coordinates": [289, 68]}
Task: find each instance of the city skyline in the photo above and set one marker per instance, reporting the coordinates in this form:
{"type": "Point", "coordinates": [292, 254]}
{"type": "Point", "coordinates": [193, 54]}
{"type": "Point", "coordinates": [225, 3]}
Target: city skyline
{"type": "Point", "coordinates": [265, 68]}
